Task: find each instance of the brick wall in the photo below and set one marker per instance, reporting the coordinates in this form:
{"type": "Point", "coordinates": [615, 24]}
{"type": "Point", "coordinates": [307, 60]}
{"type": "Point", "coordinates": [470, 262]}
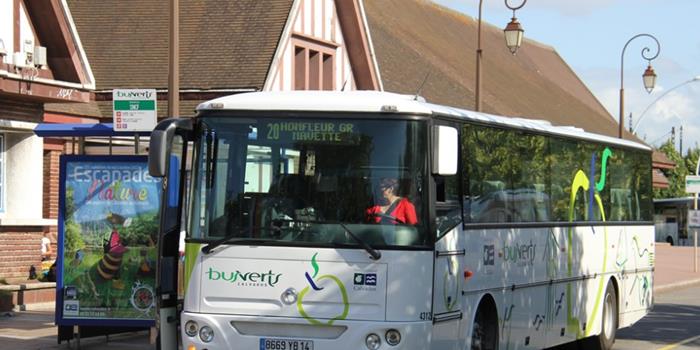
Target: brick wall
{"type": "Point", "coordinates": [51, 169]}
{"type": "Point", "coordinates": [20, 248]}
{"type": "Point", "coordinates": [52, 154]}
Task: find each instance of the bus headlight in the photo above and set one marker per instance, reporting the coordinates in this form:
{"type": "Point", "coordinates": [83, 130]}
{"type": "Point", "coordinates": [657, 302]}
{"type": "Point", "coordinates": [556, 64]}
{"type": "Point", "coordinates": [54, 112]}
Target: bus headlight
{"type": "Point", "coordinates": [191, 328]}
{"type": "Point", "coordinates": [206, 334]}
{"type": "Point", "coordinates": [393, 337]}
{"type": "Point", "coordinates": [373, 341]}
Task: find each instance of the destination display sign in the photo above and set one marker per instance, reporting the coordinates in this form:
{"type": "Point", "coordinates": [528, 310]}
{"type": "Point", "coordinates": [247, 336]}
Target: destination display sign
{"type": "Point", "coordinates": [309, 131]}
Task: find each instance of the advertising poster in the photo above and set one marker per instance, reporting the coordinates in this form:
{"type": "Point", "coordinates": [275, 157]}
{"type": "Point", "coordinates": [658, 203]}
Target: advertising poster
{"type": "Point", "coordinates": [108, 227]}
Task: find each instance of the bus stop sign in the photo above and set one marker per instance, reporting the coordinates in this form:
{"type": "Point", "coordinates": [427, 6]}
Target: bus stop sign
{"type": "Point", "coordinates": [692, 184]}
{"type": "Point", "coordinates": [134, 109]}
{"type": "Point", "coordinates": [694, 218]}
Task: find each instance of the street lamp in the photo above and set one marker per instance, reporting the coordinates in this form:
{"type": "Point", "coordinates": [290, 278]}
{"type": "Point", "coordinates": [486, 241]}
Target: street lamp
{"type": "Point", "coordinates": [649, 76]}
{"type": "Point", "coordinates": [634, 128]}
{"type": "Point", "coordinates": [514, 38]}
{"type": "Point", "coordinates": [514, 31]}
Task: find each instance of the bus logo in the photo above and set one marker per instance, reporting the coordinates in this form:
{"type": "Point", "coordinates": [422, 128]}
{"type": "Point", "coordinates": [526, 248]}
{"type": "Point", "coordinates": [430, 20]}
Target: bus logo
{"type": "Point", "coordinates": [365, 279]}
{"type": "Point", "coordinates": [314, 282]}
{"type": "Point", "coordinates": [489, 254]}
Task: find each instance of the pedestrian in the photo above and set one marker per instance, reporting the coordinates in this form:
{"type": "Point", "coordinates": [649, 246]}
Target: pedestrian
{"type": "Point", "coordinates": [46, 249]}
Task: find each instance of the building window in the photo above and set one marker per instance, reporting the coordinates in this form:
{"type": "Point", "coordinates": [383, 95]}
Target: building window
{"type": "Point", "coordinates": [2, 173]}
{"type": "Point", "coordinates": [314, 64]}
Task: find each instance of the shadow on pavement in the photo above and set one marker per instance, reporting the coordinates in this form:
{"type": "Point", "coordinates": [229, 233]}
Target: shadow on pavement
{"type": "Point", "coordinates": [36, 330]}
{"type": "Point", "coordinates": [667, 323]}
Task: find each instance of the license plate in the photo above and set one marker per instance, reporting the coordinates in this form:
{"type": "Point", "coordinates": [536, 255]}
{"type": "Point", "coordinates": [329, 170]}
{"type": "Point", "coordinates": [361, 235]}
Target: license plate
{"type": "Point", "coordinates": [285, 344]}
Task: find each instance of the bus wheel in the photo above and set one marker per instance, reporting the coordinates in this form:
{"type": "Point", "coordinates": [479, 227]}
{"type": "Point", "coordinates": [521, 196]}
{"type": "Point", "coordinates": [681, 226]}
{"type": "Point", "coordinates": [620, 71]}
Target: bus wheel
{"type": "Point", "coordinates": [669, 240]}
{"type": "Point", "coordinates": [485, 328]}
{"type": "Point", "coordinates": [609, 322]}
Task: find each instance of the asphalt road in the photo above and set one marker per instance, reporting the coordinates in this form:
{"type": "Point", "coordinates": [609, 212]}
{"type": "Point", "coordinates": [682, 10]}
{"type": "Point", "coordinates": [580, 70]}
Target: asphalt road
{"type": "Point", "coordinates": [674, 323]}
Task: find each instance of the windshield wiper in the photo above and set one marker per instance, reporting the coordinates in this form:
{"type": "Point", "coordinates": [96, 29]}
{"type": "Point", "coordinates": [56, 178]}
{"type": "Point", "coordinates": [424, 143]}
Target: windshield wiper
{"type": "Point", "coordinates": [374, 254]}
{"type": "Point", "coordinates": [207, 248]}
{"type": "Point", "coordinates": [233, 239]}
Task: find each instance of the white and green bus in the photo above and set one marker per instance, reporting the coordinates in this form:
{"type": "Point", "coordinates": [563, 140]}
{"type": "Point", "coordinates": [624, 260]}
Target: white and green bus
{"type": "Point", "coordinates": [371, 220]}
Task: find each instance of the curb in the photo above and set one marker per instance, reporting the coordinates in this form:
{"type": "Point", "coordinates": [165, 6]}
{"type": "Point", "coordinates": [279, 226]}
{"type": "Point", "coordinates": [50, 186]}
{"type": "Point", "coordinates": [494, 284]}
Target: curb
{"type": "Point", "coordinates": [671, 286]}
{"type": "Point", "coordinates": [43, 306]}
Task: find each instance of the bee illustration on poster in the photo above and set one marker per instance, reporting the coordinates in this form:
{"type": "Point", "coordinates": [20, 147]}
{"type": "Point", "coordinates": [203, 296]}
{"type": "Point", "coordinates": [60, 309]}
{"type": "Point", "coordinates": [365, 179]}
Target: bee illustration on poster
{"type": "Point", "coordinates": [108, 227]}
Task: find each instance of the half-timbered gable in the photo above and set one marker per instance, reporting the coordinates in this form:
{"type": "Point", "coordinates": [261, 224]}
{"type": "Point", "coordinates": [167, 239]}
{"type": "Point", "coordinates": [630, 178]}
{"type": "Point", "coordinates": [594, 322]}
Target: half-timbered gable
{"type": "Point", "coordinates": [315, 50]}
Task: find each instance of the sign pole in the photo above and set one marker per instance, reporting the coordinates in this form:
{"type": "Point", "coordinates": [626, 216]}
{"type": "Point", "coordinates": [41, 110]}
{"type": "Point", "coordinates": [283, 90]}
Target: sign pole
{"type": "Point", "coordinates": [695, 231]}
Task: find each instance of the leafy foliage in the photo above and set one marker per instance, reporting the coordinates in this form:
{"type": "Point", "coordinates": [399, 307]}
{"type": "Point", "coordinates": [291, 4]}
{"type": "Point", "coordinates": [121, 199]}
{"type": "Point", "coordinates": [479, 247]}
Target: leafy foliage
{"type": "Point", "coordinates": [142, 231]}
{"type": "Point", "coordinates": [73, 236]}
{"type": "Point", "coordinates": [676, 176]}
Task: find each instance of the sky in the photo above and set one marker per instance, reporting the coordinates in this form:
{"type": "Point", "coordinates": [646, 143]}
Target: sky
{"type": "Point", "coordinates": [590, 36]}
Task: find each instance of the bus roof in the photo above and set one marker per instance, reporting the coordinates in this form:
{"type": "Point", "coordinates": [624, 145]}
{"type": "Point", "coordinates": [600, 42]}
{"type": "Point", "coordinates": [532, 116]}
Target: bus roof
{"type": "Point", "coordinates": [387, 102]}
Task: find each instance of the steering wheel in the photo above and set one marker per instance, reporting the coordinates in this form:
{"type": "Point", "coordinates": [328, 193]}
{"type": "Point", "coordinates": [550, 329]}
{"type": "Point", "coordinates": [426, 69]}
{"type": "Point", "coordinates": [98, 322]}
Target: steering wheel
{"type": "Point", "coordinates": [389, 217]}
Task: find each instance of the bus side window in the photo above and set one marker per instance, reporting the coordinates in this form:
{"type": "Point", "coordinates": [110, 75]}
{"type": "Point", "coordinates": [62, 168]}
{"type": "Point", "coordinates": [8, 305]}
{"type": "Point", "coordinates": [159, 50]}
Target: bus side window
{"type": "Point", "coordinates": [448, 211]}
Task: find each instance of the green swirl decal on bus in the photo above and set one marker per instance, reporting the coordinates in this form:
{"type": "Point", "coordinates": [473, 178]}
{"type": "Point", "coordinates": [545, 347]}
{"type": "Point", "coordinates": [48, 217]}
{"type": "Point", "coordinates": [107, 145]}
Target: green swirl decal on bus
{"type": "Point", "coordinates": [582, 183]}
{"type": "Point", "coordinates": [314, 285]}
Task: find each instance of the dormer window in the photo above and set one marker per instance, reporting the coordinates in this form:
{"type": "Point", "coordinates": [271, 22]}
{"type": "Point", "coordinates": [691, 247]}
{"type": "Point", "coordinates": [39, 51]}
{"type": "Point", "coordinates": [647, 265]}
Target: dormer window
{"type": "Point", "coordinates": [314, 64]}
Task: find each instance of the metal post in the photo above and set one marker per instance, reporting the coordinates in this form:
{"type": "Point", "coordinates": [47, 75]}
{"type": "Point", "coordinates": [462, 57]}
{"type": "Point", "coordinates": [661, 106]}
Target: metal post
{"type": "Point", "coordinates": [622, 109]}
{"type": "Point", "coordinates": [110, 145]}
{"type": "Point", "coordinates": [695, 231]}
{"type": "Point", "coordinates": [174, 61]}
{"type": "Point", "coordinates": [477, 93]}
{"type": "Point", "coordinates": [136, 144]}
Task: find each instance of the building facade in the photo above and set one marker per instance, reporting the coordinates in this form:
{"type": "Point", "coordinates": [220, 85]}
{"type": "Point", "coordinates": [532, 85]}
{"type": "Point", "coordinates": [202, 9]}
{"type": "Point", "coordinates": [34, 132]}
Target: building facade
{"type": "Point", "coordinates": [41, 61]}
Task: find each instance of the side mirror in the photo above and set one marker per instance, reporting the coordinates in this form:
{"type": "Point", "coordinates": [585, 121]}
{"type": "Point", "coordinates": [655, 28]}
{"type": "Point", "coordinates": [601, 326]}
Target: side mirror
{"type": "Point", "coordinates": [161, 142]}
{"type": "Point", "coordinates": [158, 153]}
{"type": "Point", "coordinates": [445, 150]}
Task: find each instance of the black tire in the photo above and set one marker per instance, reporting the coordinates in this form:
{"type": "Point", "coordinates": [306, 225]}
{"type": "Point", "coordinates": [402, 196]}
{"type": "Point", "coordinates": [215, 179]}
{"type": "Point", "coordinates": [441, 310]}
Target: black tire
{"type": "Point", "coordinates": [606, 338]}
{"type": "Point", "coordinates": [485, 328]}
{"type": "Point", "coordinates": [669, 240]}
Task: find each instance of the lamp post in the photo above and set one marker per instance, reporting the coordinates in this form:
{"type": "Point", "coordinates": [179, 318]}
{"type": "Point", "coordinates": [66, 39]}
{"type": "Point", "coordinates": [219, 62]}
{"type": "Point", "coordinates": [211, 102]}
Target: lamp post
{"type": "Point", "coordinates": [514, 38]}
{"type": "Point", "coordinates": [634, 128]}
{"type": "Point", "coordinates": [649, 76]}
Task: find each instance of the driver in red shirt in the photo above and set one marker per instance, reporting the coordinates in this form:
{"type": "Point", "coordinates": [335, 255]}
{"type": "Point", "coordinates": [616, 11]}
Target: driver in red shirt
{"type": "Point", "coordinates": [394, 209]}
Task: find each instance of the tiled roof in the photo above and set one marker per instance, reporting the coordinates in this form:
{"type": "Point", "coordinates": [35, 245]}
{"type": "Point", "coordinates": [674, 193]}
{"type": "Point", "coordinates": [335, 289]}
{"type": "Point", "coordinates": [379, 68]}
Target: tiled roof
{"type": "Point", "coordinates": [659, 180]}
{"type": "Point", "coordinates": [223, 44]}
{"type": "Point", "coordinates": [413, 38]}
{"type": "Point", "coordinates": [660, 160]}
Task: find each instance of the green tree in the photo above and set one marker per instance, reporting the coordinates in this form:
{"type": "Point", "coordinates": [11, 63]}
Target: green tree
{"type": "Point", "coordinates": [142, 231]}
{"type": "Point", "coordinates": [73, 235]}
{"type": "Point", "coordinates": [676, 176]}
{"type": "Point", "coordinates": [691, 160]}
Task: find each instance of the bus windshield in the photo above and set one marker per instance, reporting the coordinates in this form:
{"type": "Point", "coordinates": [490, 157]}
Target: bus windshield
{"type": "Point", "coordinates": [308, 181]}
